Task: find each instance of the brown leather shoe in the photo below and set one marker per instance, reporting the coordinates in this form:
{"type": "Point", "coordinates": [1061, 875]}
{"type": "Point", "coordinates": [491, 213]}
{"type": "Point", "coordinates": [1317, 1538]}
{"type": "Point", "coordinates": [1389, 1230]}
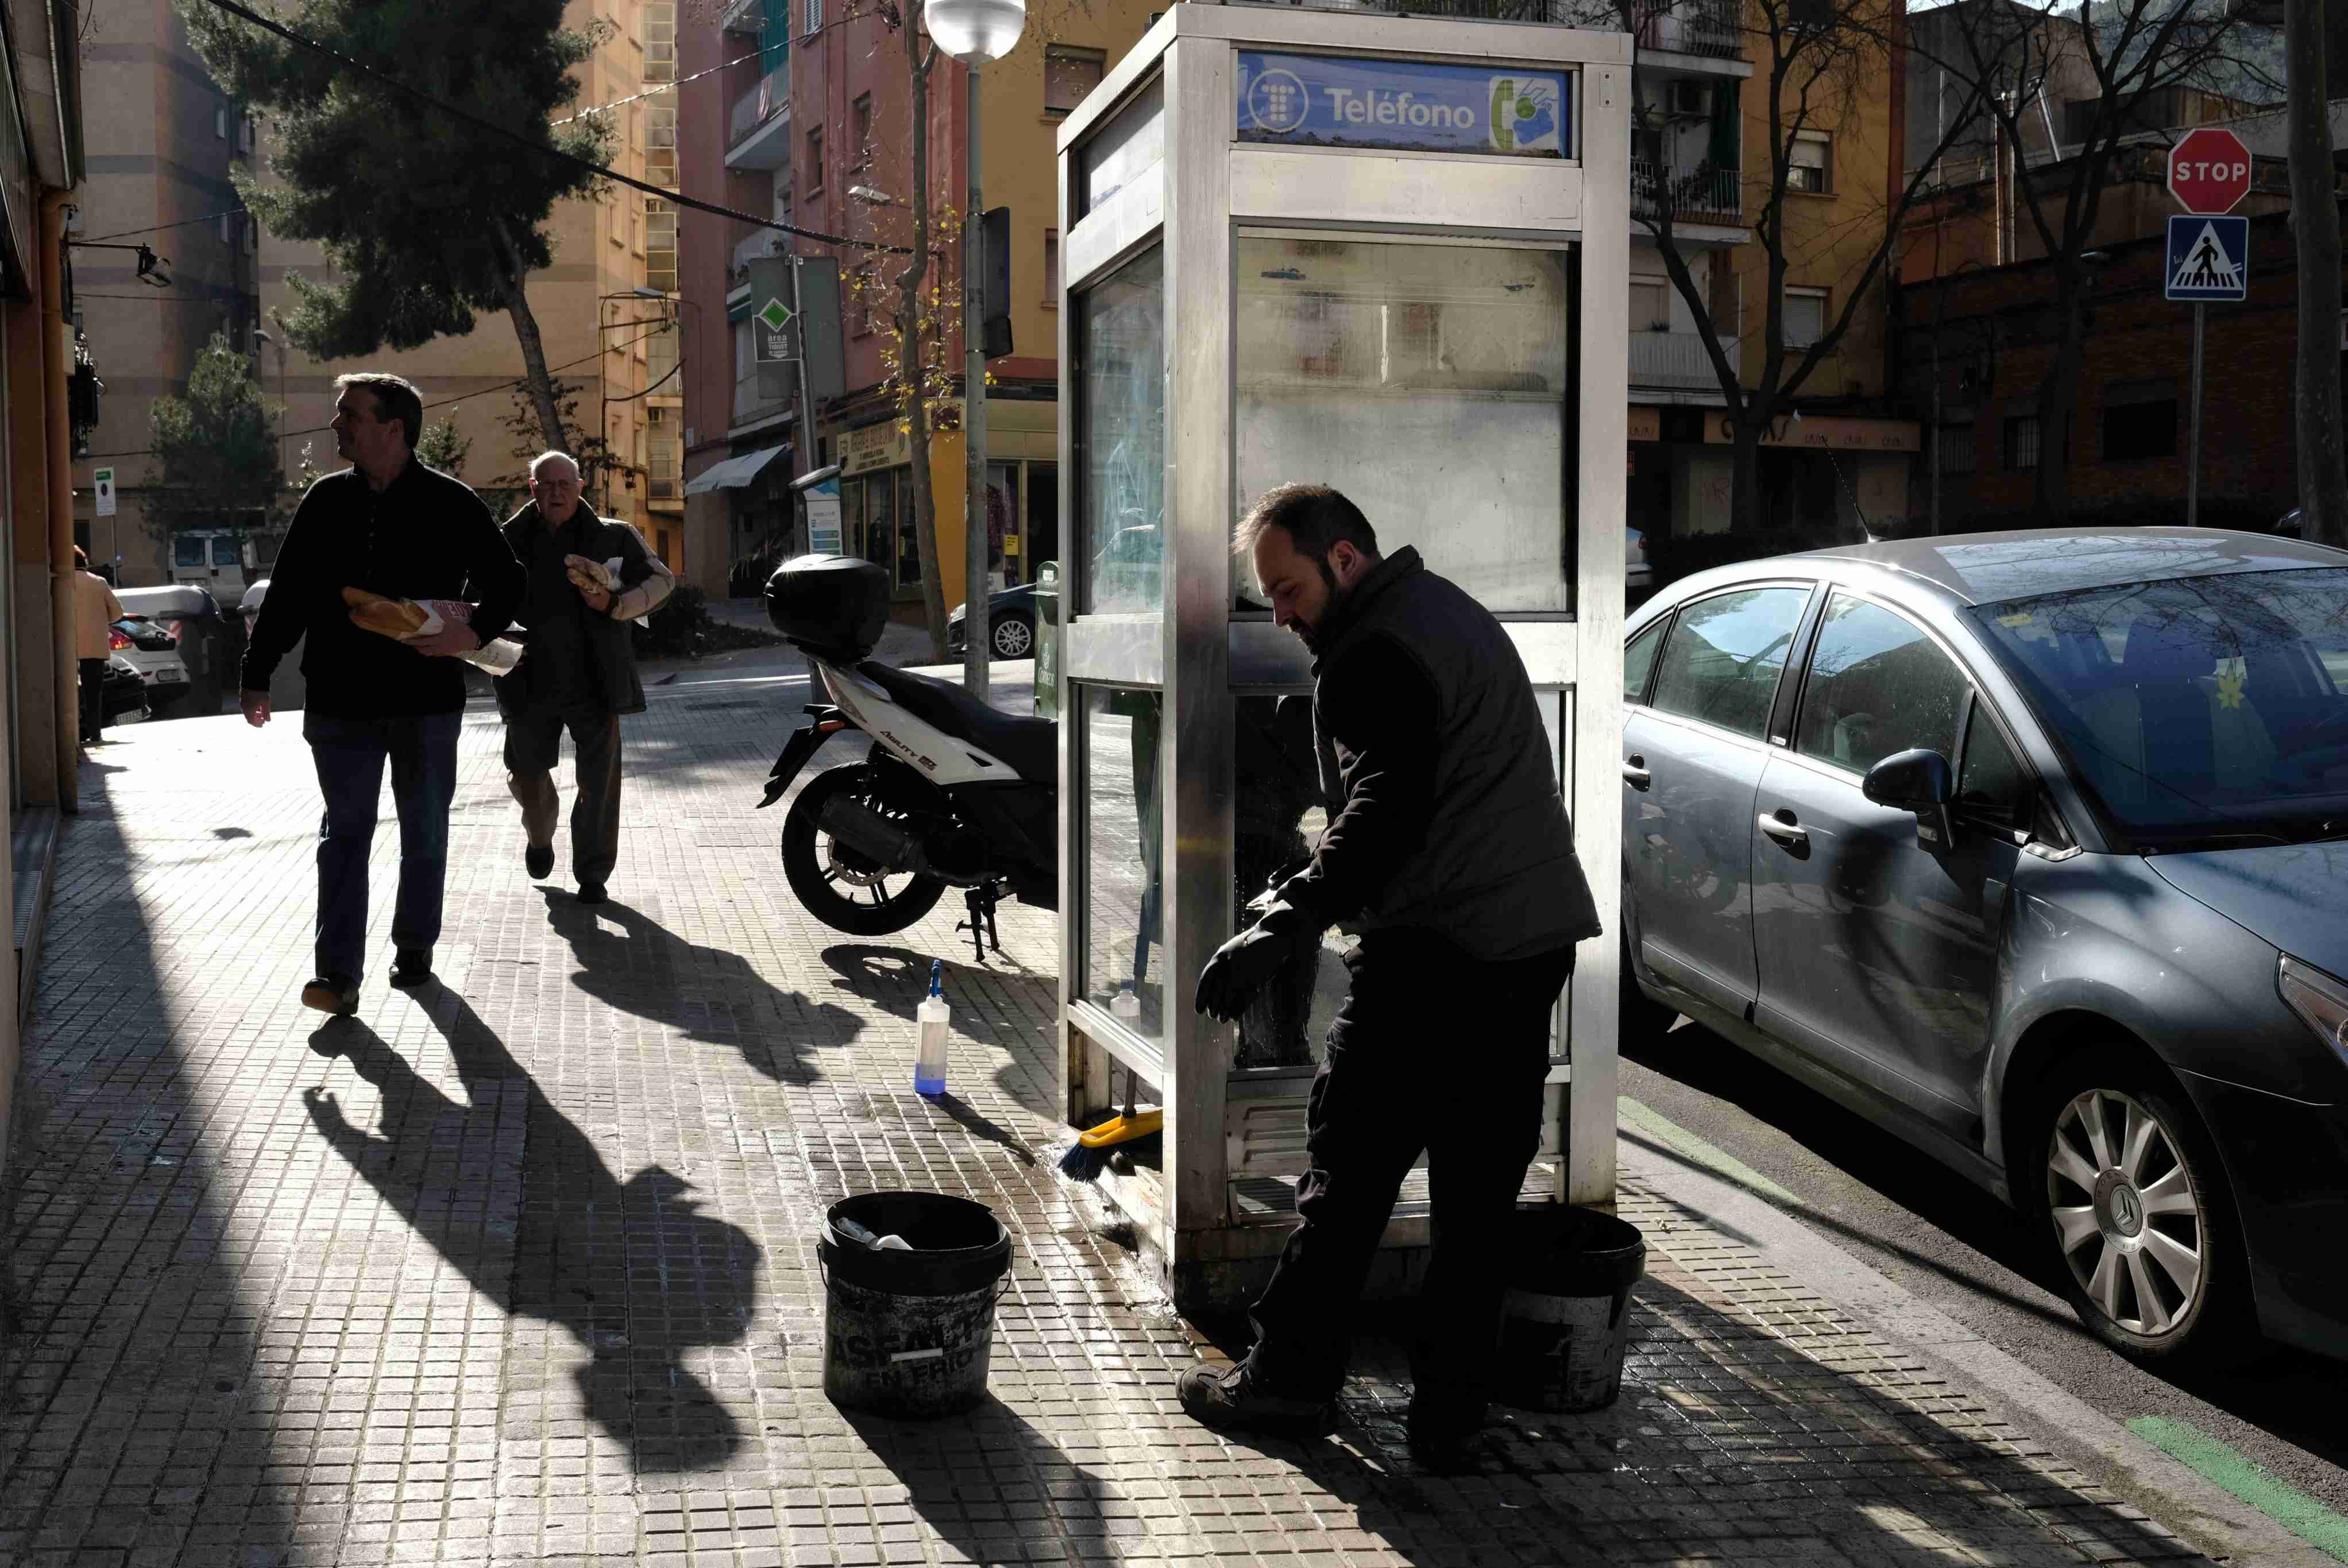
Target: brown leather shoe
{"type": "Point", "coordinates": [331, 994]}
{"type": "Point", "coordinates": [1229, 1401]}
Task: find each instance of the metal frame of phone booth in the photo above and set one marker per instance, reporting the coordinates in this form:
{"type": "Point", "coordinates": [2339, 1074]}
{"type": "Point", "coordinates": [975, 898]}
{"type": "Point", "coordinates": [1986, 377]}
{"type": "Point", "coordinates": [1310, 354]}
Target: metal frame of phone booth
{"type": "Point", "coordinates": [1258, 285]}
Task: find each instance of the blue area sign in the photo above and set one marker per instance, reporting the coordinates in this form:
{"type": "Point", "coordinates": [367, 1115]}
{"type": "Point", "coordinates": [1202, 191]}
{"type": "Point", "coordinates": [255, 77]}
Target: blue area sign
{"type": "Point", "coordinates": [2209, 258]}
{"type": "Point", "coordinates": [1418, 105]}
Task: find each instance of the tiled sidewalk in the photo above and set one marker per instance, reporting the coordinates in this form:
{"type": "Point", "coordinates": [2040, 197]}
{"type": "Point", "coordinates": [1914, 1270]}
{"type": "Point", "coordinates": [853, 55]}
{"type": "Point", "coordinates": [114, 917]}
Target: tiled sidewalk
{"type": "Point", "coordinates": [522, 1269]}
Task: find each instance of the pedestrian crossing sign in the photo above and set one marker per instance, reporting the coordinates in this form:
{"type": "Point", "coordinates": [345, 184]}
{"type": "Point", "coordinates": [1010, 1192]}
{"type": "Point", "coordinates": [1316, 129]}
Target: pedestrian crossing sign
{"type": "Point", "coordinates": [2209, 258]}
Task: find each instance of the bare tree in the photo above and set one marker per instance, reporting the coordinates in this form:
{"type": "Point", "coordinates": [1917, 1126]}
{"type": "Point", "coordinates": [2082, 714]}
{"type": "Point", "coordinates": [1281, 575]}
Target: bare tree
{"type": "Point", "coordinates": [2137, 58]}
{"type": "Point", "coordinates": [1816, 61]}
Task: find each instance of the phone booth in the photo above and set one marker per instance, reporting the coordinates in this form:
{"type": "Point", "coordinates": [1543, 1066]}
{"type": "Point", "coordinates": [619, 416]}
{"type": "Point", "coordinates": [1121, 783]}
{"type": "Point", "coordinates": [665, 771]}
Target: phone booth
{"type": "Point", "coordinates": [1387, 254]}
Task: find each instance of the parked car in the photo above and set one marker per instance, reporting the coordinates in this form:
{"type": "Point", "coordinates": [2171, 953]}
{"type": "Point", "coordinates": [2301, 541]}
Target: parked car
{"type": "Point", "coordinates": [150, 652]}
{"type": "Point", "coordinates": [2032, 848]}
{"type": "Point", "coordinates": [1010, 621]}
{"type": "Point", "coordinates": [209, 641]}
{"type": "Point", "coordinates": [122, 691]}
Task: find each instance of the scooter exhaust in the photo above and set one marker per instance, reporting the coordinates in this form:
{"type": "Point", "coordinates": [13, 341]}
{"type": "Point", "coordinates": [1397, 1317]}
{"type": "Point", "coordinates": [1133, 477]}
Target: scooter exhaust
{"type": "Point", "coordinates": [878, 839]}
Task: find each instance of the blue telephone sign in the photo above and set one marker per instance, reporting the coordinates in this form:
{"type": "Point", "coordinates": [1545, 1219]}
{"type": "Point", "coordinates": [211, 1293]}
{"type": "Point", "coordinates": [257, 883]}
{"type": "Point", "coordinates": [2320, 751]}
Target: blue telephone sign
{"type": "Point", "coordinates": [1418, 105]}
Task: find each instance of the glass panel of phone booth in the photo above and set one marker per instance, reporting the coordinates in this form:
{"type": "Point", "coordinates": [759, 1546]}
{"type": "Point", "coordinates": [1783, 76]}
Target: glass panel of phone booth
{"type": "Point", "coordinates": [1118, 739]}
{"type": "Point", "coordinates": [1120, 341]}
{"type": "Point", "coordinates": [1433, 385]}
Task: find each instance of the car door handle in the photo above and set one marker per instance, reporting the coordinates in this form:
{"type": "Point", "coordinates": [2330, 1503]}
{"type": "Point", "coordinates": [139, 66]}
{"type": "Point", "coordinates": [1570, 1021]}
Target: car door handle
{"type": "Point", "coordinates": [1779, 825]}
{"type": "Point", "coordinates": [1635, 771]}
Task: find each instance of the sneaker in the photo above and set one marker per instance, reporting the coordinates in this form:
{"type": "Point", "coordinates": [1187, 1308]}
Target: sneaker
{"type": "Point", "coordinates": [331, 994]}
{"type": "Point", "coordinates": [412, 967]}
{"type": "Point", "coordinates": [537, 860]}
{"type": "Point", "coordinates": [1228, 1399]}
{"type": "Point", "coordinates": [592, 893]}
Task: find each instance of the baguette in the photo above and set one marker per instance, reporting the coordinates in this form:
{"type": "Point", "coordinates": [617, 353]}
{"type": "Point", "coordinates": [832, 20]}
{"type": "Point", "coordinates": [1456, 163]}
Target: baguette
{"type": "Point", "coordinates": [403, 619]}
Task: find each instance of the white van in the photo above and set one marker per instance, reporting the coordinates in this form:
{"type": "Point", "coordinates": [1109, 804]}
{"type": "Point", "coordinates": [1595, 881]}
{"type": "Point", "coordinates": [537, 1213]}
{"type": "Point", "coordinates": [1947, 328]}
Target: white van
{"type": "Point", "coordinates": [219, 559]}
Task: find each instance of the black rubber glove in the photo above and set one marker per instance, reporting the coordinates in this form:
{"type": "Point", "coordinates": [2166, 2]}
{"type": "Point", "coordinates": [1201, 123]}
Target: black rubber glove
{"type": "Point", "coordinates": [1246, 963]}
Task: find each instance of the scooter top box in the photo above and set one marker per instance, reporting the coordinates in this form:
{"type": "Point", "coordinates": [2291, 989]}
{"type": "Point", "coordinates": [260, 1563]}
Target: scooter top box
{"type": "Point", "coordinates": [837, 603]}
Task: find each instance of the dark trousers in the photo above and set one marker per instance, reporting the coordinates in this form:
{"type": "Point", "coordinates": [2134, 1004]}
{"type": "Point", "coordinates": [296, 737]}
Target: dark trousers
{"type": "Point", "coordinates": [93, 697]}
{"type": "Point", "coordinates": [533, 744]}
{"type": "Point", "coordinates": [350, 754]}
{"type": "Point", "coordinates": [1434, 1052]}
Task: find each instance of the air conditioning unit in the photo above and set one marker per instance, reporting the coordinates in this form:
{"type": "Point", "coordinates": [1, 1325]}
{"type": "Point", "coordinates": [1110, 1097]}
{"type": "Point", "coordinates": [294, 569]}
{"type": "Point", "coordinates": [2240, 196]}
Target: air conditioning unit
{"type": "Point", "coordinates": [1691, 98]}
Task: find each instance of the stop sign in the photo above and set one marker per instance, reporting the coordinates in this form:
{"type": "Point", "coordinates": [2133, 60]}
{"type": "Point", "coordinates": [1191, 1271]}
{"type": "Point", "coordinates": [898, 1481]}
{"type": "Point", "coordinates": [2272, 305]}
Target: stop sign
{"type": "Point", "coordinates": [2208, 170]}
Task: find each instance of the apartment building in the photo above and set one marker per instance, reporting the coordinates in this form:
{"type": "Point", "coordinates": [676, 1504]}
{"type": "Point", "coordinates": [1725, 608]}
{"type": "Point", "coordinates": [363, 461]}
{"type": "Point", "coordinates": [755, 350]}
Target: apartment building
{"type": "Point", "coordinates": [816, 129]}
{"type": "Point", "coordinates": [1702, 148]}
{"type": "Point", "coordinates": [164, 141]}
{"type": "Point", "coordinates": [605, 310]}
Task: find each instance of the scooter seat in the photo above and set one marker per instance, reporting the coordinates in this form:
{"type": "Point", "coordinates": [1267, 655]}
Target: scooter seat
{"type": "Point", "coordinates": [1031, 746]}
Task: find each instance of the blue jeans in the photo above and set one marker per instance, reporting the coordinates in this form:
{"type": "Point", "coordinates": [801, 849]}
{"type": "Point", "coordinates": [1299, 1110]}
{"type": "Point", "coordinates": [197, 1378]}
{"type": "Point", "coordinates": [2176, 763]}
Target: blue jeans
{"type": "Point", "coordinates": [350, 754]}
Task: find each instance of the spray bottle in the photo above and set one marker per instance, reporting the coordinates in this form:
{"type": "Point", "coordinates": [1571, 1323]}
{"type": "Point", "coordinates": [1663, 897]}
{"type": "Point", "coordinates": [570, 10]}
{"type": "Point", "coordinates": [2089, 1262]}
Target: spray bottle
{"type": "Point", "coordinates": [930, 1057]}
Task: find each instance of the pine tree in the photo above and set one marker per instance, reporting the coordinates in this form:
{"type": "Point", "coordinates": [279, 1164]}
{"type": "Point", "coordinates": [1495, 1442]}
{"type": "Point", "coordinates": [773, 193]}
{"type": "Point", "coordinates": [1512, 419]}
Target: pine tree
{"type": "Point", "coordinates": [426, 218]}
{"type": "Point", "coordinates": [217, 449]}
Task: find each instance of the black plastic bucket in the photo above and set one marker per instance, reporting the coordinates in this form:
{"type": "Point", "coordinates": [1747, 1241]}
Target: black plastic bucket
{"type": "Point", "coordinates": [1567, 1320]}
{"type": "Point", "coordinates": [907, 1333]}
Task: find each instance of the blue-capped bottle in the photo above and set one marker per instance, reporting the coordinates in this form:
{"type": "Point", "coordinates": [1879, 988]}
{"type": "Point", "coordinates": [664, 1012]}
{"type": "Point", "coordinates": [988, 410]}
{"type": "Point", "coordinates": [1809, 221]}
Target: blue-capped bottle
{"type": "Point", "coordinates": [930, 1055]}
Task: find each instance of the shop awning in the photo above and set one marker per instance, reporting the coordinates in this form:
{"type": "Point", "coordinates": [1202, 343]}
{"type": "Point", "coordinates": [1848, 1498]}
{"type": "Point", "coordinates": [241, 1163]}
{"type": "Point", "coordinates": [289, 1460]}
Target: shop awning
{"type": "Point", "coordinates": [734, 472]}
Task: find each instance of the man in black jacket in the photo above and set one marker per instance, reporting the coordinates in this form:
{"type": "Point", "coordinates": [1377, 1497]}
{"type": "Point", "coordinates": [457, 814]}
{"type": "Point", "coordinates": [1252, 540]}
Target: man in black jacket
{"type": "Point", "coordinates": [393, 526]}
{"type": "Point", "coordinates": [578, 671]}
{"type": "Point", "coordinates": [1454, 858]}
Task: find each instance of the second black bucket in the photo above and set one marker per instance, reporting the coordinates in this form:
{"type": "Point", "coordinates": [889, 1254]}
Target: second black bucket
{"type": "Point", "coordinates": [1567, 1322]}
{"type": "Point", "coordinates": [909, 1332]}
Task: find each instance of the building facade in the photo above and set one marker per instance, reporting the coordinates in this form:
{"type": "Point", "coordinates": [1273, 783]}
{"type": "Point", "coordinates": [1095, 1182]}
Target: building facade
{"type": "Point", "coordinates": [1703, 150]}
{"type": "Point", "coordinates": [164, 143]}
{"type": "Point", "coordinates": [606, 310]}
{"type": "Point", "coordinates": [818, 133]}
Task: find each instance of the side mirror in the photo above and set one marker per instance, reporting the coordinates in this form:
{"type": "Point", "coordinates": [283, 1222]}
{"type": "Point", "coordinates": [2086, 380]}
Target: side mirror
{"type": "Point", "coordinates": [1918, 781]}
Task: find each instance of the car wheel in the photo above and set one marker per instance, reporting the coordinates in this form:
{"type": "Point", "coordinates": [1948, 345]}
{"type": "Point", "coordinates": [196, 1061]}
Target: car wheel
{"type": "Point", "coordinates": [1013, 638]}
{"type": "Point", "coordinates": [2131, 1195]}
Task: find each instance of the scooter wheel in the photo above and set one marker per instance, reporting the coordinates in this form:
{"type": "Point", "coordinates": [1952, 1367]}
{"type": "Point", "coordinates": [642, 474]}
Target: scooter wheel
{"type": "Point", "coordinates": [838, 886]}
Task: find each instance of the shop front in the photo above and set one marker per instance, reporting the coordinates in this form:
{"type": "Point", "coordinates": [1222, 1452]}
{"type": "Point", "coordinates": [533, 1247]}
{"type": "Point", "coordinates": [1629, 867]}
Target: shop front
{"type": "Point", "coordinates": [875, 497]}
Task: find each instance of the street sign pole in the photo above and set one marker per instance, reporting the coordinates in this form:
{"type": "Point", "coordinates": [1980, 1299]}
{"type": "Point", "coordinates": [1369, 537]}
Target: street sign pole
{"type": "Point", "coordinates": [2193, 437]}
{"type": "Point", "coordinates": [807, 463]}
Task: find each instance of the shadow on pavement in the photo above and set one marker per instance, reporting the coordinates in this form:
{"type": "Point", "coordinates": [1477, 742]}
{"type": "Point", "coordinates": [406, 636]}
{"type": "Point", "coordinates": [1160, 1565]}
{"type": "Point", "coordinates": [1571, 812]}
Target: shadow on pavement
{"type": "Point", "coordinates": [629, 1269]}
{"type": "Point", "coordinates": [995, 1488]}
{"type": "Point", "coordinates": [1013, 1011]}
{"type": "Point", "coordinates": [707, 993]}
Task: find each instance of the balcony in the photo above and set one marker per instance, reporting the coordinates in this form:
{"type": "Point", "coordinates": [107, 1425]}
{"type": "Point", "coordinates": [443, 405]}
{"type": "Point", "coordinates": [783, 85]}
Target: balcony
{"type": "Point", "coordinates": [757, 127]}
{"type": "Point", "coordinates": [744, 16]}
{"type": "Point", "coordinates": [1676, 360]}
{"type": "Point", "coordinates": [1708, 27]}
{"type": "Point", "coordinates": [1698, 195]}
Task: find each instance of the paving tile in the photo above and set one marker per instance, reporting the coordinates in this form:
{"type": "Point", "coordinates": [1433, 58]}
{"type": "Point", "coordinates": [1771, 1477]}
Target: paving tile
{"type": "Point", "coordinates": [520, 1269]}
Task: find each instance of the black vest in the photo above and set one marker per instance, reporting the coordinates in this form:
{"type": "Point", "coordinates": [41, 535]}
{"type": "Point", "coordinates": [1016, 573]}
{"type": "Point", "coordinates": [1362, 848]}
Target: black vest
{"type": "Point", "coordinates": [1498, 874]}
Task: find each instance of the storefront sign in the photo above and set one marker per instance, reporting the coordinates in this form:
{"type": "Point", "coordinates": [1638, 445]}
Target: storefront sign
{"type": "Point", "coordinates": [1419, 106]}
{"type": "Point", "coordinates": [1827, 432]}
{"type": "Point", "coordinates": [1645, 425]}
{"type": "Point", "coordinates": [882, 446]}
{"type": "Point", "coordinates": [823, 517]}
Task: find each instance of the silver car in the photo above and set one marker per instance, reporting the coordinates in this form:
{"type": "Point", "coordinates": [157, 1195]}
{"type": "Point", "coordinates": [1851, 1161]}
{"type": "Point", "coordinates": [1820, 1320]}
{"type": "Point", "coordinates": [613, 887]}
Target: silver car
{"type": "Point", "coordinates": [2033, 848]}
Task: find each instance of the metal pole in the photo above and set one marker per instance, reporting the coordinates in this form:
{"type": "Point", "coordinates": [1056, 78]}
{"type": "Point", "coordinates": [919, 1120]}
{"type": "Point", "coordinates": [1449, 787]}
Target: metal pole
{"type": "Point", "coordinates": [1939, 299]}
{"type": "Point", "coordinates": [807, 463]}
{"type": "Point", "coordinates": [2193, 438]}
{"type": "Point", "coordinates": [978, 636]}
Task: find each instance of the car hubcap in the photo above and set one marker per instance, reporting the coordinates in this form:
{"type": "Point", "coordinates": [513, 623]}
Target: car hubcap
{"type": "Point", "coordinates": [1011, 639]}
{"type": "Point", "coordinates": [2125, 1212]}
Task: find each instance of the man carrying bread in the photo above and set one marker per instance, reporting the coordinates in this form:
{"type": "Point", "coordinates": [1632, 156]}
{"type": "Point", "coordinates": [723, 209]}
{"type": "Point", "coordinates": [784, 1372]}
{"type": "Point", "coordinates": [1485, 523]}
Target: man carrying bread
{"type": "Point", "coordinates": [387, 526]}
{"type": "Point", "coordinates": [588, 577]}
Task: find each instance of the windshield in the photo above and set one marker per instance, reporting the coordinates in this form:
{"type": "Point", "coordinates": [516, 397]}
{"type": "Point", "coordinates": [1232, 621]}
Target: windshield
{"type": "Point", "coordinates": [2200, 711]}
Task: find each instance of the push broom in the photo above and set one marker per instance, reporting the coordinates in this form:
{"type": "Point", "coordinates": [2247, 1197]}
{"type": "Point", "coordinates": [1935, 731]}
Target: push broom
{"type": "Point", "coordinates": [1089, 1155]}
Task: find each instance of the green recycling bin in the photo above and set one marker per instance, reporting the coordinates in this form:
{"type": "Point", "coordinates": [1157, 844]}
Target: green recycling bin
{"type": "Point", "coordinates": [1047, 640]}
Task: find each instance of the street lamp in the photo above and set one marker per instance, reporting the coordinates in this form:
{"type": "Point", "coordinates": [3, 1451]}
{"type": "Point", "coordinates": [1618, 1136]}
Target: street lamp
{"type": "Point", "coordinates": [976, 33]}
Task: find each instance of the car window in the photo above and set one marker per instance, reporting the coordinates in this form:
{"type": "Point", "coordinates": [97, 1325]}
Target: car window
{"type": "Point", "coordinates": [1639, 659]}
{"type": "Point", "coordinates": [1991, 782]}
{"type": "Point", "coordinates": [1877, 685]}
{"type": "Point", "coordinates": [187, 551]}
{"type": "Point", "coordinates": [1725, 653]}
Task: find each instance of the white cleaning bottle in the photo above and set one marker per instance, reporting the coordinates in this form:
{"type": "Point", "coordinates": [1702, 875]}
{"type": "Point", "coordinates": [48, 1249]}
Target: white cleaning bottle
{"type": "Point", "coordinates": [1125, 1004]}
{"type": "Point", "coordinates": [930, 1057]}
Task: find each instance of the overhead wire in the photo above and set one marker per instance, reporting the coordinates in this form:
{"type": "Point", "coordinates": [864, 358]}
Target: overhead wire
{"type": "Point", "coordinates": [600, 171]}
{"type": "Point", "coordinates": [444, 402]}
{"type": "Point", "coordinates": [655, 92]}
{"type": "Point", "coordinates": [159, 228]}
